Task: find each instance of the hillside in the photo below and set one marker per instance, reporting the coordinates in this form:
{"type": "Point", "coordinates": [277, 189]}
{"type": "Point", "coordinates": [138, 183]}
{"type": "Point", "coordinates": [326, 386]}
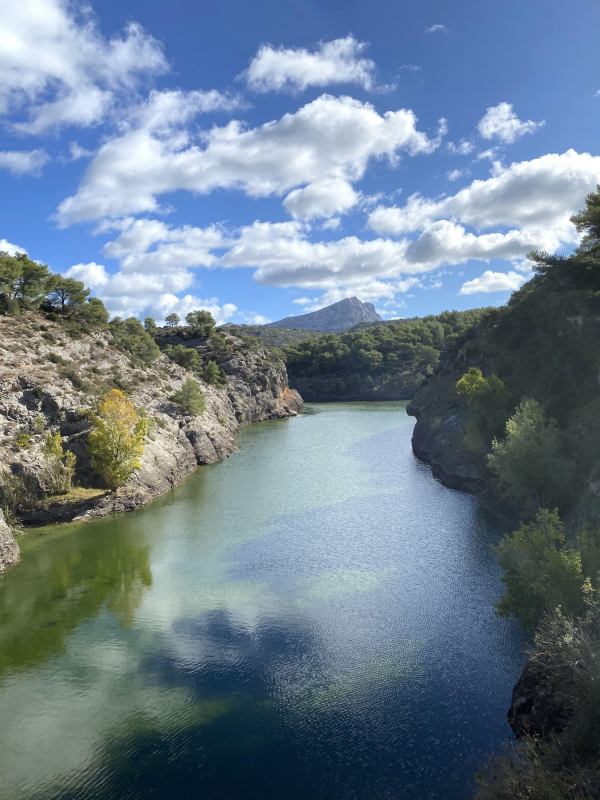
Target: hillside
{"type": "Point", "coordinates": [511, 413]}
{"type": "Point", "coordinates": [52, 377]}
{"type": "Point", "coordinates": [271, 336]}
{"type": "Point", "coordinates": [383, 361]}
{"type": "Point", "coordinates": [340, 316]}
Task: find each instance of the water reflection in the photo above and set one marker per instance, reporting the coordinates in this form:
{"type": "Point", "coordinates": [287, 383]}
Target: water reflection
{"type": "Point", "coordinates": [59, 586]}
{"type": "Point", "coordinates": [312, 618]}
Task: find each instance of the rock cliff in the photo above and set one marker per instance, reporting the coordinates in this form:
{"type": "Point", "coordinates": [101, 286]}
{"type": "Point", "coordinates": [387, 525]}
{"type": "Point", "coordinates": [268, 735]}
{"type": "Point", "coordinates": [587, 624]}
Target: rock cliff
{"type": "Point", "coordinates": [49, 381]}
{"type": "Point", "coordinates": [9, 549]}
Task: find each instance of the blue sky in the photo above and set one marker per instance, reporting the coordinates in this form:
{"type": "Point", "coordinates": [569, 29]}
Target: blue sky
{"type": "Point", "coordinates": [262, 159]}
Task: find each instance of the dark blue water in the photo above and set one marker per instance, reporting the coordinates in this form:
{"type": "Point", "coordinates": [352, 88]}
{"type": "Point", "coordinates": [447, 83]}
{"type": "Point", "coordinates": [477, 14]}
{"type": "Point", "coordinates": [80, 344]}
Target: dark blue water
{"type": "Point", "coordinates": [311, 619]}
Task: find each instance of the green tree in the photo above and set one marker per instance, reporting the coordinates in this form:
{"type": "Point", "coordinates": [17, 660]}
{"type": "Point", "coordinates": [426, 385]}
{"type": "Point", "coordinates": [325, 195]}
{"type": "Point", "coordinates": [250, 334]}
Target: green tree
{"type": "Point", "coordinates": [213, 374]}
{"type": "Point", "coordinates": [150, 326]}
{"type": "Point", "coordinates": [129, 335]}
{"type": "Point", "coordinates": [172, 320]}
{"type": "Point", "coordinates": [200, 322]}
{"type": "Point", "coordinates": [60, 466]}
{"type": "Point", "coordinates": [190, 398]}
{"type": "Point", "coordinates": [66, 294]}
{"type": "Point", "coordinates": [487, 399]}
{"type": "Point", "coordinates": [186, 357]}
{"type": "Point", "coordinates": [540, 571]}
{"type": "Point", "coordinates": [531, 465]}
{"type": "Point", "coordinates": [94, 312]}
{"type": "Point", "coordinates": [587, 222]}
{"type": "Point", "coordinates": [23, 282]}
{"type": "Point", "coordinates": [116, 440]}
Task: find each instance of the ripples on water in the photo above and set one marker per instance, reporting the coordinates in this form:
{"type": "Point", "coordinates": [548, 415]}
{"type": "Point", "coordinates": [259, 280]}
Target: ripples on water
{"type": "Point", "coordinates": [311, 619]}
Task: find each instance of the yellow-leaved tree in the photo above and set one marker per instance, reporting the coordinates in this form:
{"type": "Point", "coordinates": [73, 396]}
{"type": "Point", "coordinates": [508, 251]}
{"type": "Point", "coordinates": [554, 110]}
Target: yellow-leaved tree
{"type": "Point", "coordinates": [116, 441]}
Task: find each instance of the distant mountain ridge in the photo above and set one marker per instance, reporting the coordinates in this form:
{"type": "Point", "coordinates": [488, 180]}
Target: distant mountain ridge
{"type": "Point", "coordinates": [340, 316]}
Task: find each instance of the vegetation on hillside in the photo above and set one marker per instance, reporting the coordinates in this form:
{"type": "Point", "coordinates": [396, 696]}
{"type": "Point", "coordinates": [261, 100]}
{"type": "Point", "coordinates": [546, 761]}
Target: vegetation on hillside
{"type": "Point", "coordinates": [116, 440]}
{"type": "Point", "coordinates": [383, 361]}
{"type": "Point", "coordinates": [528, 387]}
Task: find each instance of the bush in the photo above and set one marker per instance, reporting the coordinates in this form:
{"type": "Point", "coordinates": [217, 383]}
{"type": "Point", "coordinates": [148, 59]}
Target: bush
{"type": "Point", "coordinates": [190, 398]}
{"type": "Point", "coordinates": [531, 465]}
{"type": "Point", "coordinates": [129, 335]}
{"type": "Point", "coordinates": [116, 441]}
{"type": "Point", "coordinates": [60, 466]}
{"type": "Point", "coordinates": [186, 357]}
{"type": "Point", "coordinates": [540, 571]}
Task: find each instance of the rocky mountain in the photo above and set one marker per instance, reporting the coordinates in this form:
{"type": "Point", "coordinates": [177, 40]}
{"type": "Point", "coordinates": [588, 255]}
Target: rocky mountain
{"type": "Point", "coordinates": [50, 380]}
{"type": "Point", "coordinates": [337, 317]}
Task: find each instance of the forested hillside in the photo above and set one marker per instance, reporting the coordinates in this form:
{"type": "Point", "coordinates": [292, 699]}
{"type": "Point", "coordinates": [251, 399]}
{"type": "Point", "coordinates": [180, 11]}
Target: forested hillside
{"type": "Point", "coordinates": [512, 413]}
{"type": "Point", "coordinates": [385, 361]}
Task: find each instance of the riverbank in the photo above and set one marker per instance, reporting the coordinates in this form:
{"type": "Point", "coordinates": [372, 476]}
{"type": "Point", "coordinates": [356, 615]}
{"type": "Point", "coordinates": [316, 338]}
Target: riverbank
{"type": "Point", "coordinates": [49, 382]}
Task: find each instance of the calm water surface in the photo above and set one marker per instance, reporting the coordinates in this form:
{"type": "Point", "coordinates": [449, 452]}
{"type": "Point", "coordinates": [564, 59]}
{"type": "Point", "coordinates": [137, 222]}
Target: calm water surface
{"type": "Point", "coordinates": [310, 619]}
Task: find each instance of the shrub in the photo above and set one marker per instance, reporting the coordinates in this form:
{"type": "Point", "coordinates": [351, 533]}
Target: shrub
{"type": "Point", "coordinates": [116, 441]}
{"type": "Point", "coordinates": [60, 466]}
{"type": "Point", "coordinates": [540, 571]}
{"type": "Point", "coordinates": [190, 398]}
{"type": "Point", "coordinates": [186, 357]}
{"type": "Point", "coordinates": [129, 335]}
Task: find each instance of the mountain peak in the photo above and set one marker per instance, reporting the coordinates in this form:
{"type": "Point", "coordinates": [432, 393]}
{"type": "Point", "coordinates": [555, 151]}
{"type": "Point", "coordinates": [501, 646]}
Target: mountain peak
{"type": "Point", "coordinates": [339, 316]}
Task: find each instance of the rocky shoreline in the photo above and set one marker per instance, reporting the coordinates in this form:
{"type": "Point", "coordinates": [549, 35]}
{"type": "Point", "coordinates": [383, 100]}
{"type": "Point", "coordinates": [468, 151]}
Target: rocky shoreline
{"type": "Point", "coordinates": [48, 381]}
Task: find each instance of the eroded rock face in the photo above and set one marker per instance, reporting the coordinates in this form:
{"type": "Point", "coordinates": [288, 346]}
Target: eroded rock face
{"type": "Point", "coordinates": [49, 382]}
{"type": "Point", "coordinates": [439, 436]}
{"type": "Point", "coordinates": [9, 549]}
{"type": "Point", "coordinates": [535, 709]}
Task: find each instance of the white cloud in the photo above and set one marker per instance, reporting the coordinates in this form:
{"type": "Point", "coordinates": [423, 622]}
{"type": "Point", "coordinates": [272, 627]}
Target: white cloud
{"type": "Point", "coordinates": [500, 122]}
{"type": "Point", "coordinates": [56, 67]}
{"type": "Point", "coordinates": [10, 248]}
{"type": "Point", "coordinates": [536, 197]}
{"type": "Point", "coordinates": [491, 281]}
{"type": "Point", "coordinates": [337, 61]}
{"type": "Point", "coordinates": [455, 174]}
{"type": "Point", "coordinates": [93, 275]}
{"type": "Point", "coordinates": [464, 147]}
{"type": "Point", "coordinates": [321, 199]}
{"type": "Point", "coordinates": [331, 137]}
{"type": "Point", "coordinates": [439, 28]}
{"type": "Point", "coordinates": [23, 162]}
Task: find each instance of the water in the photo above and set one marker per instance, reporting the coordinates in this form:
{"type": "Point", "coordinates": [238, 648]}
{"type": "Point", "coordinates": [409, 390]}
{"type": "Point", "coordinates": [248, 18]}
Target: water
{"type": "Point", "coordinates": [312, 618]}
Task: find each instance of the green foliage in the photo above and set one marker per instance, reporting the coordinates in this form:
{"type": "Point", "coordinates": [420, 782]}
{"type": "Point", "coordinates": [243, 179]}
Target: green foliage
{"type": "Point", "coordinates": [200, 323]}
{"type": "Point", "coordinates": [531, 465]}
{"type": "Point", "coordinates": [22, 440]}
{"type": "Point", "coordinates": [150, 326]}
{"type": "Point", "coordinates": [129, 335]}
{"type": "Point", "coordinates": [566, 764]}
{"type": "Point", "coordinates": [384, 360]}
{"type": "Point", "coordinates": [540, 571]}
{"type": "Point", "coordinates": [23, 282]}
{"type": "Point", "coordinates": [190, 398]}
{"type": "Point", "coordinates": [213, 374]}
{"type": "Point", "coordinates": [172, 320]}
{"type": "Point", "coordinates": [587, 223]}
{"type": "Point", "coordinates": [60, 466]}
{"type": "Point", "coordinates": [487, 399]}
{"type": "Point", "coordinates": [66, 295]}
{"type": "Point", "coordinates": [116, 440]}
{"type": "Point", "coordinates": [186, 357]}
{"type": "Point", "coordinates": [16, 492]}
{"type": "Point", "coordinates": [93, 312]}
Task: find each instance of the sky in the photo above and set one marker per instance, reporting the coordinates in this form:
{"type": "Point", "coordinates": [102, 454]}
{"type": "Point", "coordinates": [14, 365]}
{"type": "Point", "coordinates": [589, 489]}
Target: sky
{"type": "Point", "coordinates": [265, 158]}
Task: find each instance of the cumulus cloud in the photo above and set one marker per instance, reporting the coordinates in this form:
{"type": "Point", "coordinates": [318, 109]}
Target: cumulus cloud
{"type": "Point", "coordinates": [491, 281]}
{"type": "Point", "coordinates": [56, 68]}
{"type": "Point", "coordinates": [324, 198]}
{"type": "Point", "coordinates": [438, 28]}
{"type": "Point", "coordinates": [331, 137]}
{"type": "Point", "coordinates": [10, 248]}
{"type": "Point", "coordinates": [534, 197]}
{"type": "Point", "coordinates": [285, 69]}
{"type": "Point", "coordinates": [501, 122]}
{"type": "Point", "coordinates": [464, 147]}
{"type": "Point", "coordinates": [456, 174]}
{"type": "Point", "coordinates": [24, 162]}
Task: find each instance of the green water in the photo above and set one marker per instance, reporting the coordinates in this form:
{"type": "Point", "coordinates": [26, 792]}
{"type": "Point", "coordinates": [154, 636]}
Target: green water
{"type": "Point", "coordinates": [311, 618]}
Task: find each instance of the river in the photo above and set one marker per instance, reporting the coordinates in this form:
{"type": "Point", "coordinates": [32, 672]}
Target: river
{"type": "Point", "coordinates": [312, 618]}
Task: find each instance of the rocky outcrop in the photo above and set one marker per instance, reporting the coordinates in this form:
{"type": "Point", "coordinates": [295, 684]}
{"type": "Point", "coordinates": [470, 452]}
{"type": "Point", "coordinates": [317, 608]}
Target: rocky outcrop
{"type": "Point", "coordinates": [340, 316]}
{"type": "Point", "coordinates": [9, 549]}
{"type": "Point", "coordinates": [535, 709]}
{"type": "Point", "coordinates": [439, 436]}
{"type": "Point", "coordinates": [50, 381]}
